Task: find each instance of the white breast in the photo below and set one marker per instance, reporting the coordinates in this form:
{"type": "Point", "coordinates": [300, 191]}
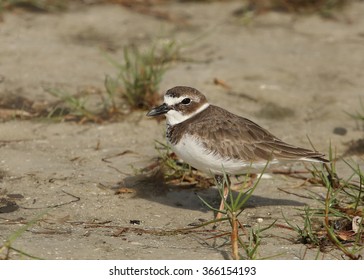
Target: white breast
{"type": "Point", "coordinates": [191, 150]}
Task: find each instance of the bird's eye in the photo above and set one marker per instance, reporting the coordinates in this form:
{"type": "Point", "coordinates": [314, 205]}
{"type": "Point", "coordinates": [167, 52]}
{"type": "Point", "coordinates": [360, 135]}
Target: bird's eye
{"type": "Point", "coordinates": [186, 101]}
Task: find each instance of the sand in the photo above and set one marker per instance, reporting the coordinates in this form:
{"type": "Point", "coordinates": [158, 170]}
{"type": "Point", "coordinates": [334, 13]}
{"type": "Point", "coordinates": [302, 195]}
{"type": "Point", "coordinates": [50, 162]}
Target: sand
{"type": "Point", "coordinates": [297, 76]}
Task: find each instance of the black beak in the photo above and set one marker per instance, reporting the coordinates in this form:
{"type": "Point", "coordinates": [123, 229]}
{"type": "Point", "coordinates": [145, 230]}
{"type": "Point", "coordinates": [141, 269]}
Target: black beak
{"type": "Point", "coordinates": [160, 110]}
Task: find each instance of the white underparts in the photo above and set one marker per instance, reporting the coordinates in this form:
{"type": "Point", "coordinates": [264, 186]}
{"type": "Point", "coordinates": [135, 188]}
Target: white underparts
{"type": "Point", "coordinates": [191, 150]}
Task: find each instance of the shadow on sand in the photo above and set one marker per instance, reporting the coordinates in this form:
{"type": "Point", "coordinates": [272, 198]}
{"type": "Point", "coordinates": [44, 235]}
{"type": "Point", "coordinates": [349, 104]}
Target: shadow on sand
{"type": "Point", "coordinates": [154, 188]}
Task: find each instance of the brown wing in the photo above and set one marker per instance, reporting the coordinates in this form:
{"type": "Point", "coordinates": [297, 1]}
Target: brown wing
{"type": "Point", "coordinates": [239, 138]}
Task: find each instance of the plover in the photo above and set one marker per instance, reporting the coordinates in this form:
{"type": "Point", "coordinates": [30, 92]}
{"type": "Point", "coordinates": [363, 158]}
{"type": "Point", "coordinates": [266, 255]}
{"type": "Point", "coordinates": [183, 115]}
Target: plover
{"type": "Point", "coordinates": [213, 140]}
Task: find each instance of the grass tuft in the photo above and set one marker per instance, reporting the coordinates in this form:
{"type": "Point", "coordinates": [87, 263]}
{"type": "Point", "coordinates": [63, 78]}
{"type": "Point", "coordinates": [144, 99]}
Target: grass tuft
{"type": "Point", "coordinates": [7, 248]}
{"type": "Point", "coordinates": [35, 5]}
{"type": "Point", "coordinates": [134, 87]}
{"type": "Point", "coordinates": [85, 106]}
{"type": "Point", "coordinates": [338, 220]}
{"type": "Point", "coordinates": [324, 8]}
{"type": "Point", "coordinates": [140, 74]}
{"type": "Point", "coordinates": [233, 207]}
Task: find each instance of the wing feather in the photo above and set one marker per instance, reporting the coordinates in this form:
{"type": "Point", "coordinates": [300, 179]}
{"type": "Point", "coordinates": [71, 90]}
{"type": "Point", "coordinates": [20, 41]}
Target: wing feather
{"type": "Point", "coordinates": [237, 137]}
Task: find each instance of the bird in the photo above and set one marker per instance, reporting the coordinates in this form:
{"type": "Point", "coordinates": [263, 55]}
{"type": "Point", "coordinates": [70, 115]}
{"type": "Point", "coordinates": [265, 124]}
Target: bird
{"type": "Point", "coordinates": [216, 141]}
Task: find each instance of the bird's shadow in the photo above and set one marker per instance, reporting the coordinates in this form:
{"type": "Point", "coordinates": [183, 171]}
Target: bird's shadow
{"type": "Point", "coordinates": [154, 188]}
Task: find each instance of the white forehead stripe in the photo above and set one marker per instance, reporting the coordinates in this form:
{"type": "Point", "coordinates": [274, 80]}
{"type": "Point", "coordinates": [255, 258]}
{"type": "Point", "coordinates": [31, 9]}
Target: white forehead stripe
{"type": "Point", "coordinates": [169, 100]}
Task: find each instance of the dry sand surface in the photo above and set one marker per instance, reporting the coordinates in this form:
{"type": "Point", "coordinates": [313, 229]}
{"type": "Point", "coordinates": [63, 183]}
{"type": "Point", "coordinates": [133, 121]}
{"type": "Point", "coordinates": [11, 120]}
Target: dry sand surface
{"type": "Point", "coordinates": [294, 75]}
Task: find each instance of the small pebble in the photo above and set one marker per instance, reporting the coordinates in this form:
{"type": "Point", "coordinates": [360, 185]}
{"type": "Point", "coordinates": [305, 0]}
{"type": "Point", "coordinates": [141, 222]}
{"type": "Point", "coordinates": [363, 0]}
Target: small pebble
{"type": "Point", "coordinates": [260, 220]}
{"type": "Point", "coordinates": [135, 222]}
{"type": "Point", "coordinates": [340, 130]}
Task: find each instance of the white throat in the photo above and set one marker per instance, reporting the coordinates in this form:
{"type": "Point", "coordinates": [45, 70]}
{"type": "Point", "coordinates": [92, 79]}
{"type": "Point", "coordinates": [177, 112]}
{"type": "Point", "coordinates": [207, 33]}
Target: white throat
{"type": "Point", "coordinates": [174, 117]}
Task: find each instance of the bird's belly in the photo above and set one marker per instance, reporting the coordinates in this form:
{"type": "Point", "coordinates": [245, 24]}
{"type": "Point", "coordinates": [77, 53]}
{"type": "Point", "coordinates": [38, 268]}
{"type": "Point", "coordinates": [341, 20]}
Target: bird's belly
{"type": "Point", "coordinates": [190, 150]}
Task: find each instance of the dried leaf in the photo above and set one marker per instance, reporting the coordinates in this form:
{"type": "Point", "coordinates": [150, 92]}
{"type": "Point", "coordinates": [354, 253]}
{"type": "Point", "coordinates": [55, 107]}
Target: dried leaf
{"type": "Point", "coordinates": [124, 190]}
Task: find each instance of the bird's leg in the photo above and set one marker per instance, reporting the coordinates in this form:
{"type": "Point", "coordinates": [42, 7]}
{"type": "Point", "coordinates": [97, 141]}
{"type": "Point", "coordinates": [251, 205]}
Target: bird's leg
{"type": "Point", "coordinates": [220, 180]}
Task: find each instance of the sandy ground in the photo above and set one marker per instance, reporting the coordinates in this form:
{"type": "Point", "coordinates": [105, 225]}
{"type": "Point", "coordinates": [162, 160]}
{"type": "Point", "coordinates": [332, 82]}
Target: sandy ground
{"type": "Point", "coordinates": [309, 68]}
